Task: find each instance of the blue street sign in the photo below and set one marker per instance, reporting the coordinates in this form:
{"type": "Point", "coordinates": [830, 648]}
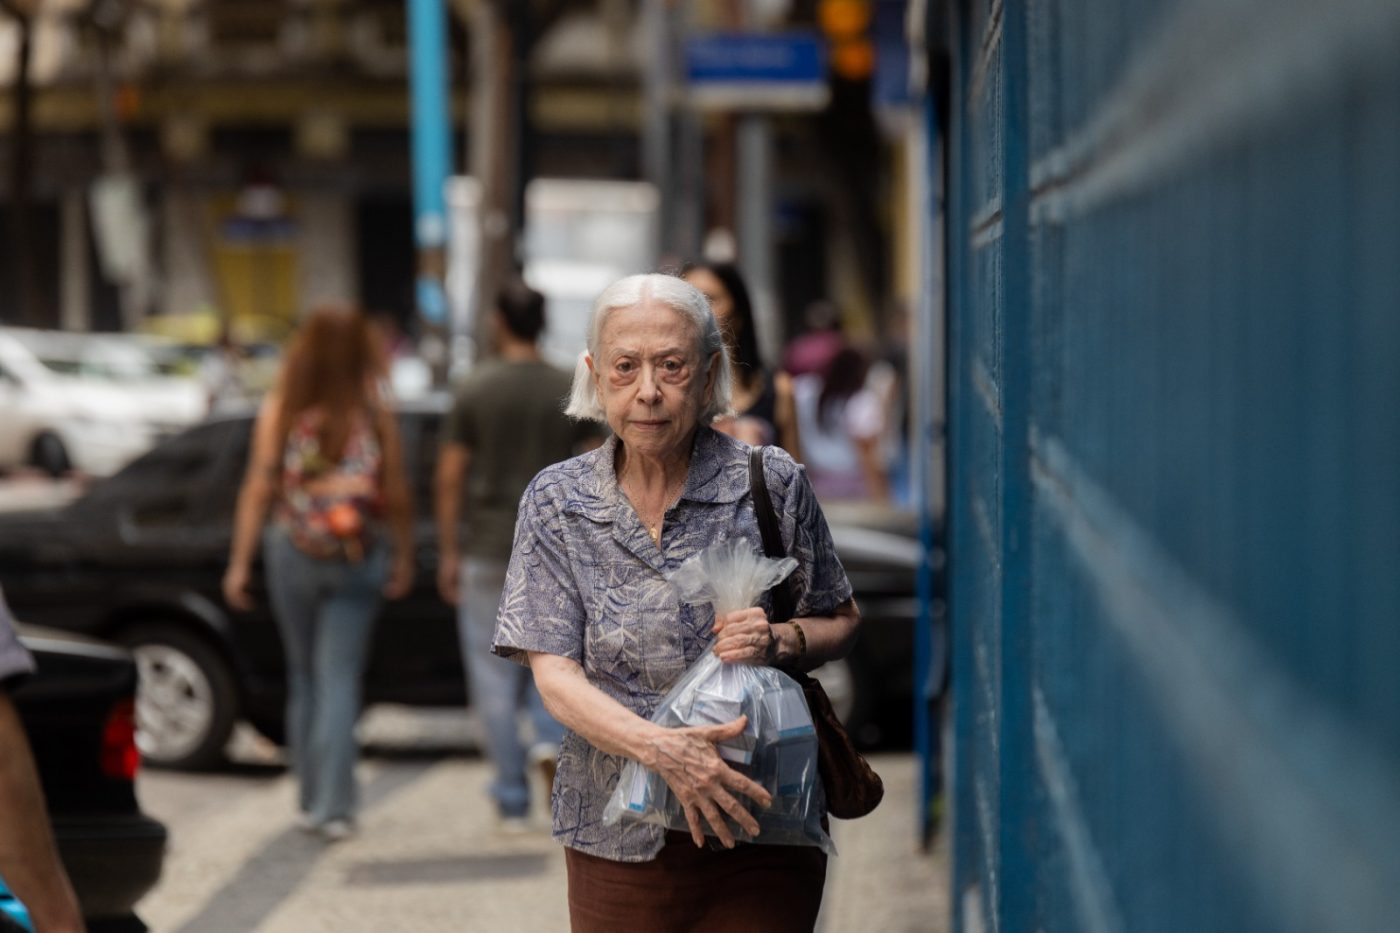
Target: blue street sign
{"type": "Point", "coordinates": [757, 71]}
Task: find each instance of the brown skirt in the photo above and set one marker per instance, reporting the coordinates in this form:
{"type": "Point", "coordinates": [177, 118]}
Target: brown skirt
{"type": "Point", "coordinates": [763, 889]}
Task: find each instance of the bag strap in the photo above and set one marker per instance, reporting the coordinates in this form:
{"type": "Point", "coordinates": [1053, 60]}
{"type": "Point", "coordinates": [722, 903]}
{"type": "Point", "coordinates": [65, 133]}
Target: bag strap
{"type": "Point", "coordinates": [783, 608]}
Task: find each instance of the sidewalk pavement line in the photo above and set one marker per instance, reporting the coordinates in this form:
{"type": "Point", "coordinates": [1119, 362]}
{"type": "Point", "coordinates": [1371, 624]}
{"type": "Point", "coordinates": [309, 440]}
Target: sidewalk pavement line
{"type": "Point", "coordinates": [287, 858]}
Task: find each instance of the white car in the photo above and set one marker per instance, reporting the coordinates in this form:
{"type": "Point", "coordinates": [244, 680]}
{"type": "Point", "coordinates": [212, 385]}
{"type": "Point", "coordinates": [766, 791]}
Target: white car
{"type": "Point", "coordinates": [85, 402]}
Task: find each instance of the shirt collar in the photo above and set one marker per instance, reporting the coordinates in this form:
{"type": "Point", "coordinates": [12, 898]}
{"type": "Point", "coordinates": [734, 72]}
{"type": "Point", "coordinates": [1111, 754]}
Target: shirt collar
{"type": "Point", "coordinates": [719, 472]}
{"type": "Point", "coordinates": [719, 468]}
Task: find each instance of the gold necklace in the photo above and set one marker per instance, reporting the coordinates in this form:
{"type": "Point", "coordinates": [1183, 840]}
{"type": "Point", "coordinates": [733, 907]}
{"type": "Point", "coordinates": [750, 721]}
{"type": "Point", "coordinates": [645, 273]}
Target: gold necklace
{"type": "Point", "coordinates": [654, 527]}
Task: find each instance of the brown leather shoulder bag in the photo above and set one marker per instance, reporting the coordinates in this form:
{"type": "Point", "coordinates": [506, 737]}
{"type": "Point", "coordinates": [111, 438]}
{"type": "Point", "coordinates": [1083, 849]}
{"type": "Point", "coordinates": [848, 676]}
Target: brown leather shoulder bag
{"type": "Point", "coordinates": [853, 789]}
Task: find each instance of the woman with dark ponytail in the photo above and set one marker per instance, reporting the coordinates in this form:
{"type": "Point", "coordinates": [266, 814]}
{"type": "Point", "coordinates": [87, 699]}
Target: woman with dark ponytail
{"type": "Point", "coordinates": [763, 399]}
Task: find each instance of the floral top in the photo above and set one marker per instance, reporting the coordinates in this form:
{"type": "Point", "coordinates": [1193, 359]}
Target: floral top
{"type": "Point", "coordinates": [331, 525]}
{"type": "Point", "coordinates": [587, 582]}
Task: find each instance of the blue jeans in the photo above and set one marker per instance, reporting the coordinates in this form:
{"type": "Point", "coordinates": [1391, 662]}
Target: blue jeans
{"type": "Point", "coordinates": [499, 689]}
{"type": "Point", "coordinates": [325, 611]}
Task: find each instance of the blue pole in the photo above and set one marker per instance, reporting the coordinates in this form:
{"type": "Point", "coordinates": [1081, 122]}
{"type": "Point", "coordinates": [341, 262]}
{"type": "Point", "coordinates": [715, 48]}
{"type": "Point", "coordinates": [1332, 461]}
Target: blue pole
{"type": "Point", "coordinates": [930, 635]}
{"type": "Point", "coordinates": [432, 149]}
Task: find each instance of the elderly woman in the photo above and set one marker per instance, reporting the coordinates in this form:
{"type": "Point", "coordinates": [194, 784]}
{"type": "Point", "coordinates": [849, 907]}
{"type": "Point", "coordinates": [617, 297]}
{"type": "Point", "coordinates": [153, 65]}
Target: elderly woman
{"type": "Point", "coordinates": [586, 601]}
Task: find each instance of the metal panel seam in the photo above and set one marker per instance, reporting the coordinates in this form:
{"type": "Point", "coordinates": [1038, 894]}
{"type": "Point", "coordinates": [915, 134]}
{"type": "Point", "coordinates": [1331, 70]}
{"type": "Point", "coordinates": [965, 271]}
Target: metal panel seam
{"type": "Point", "coordinates": [1331, 862]}
{"type": "Point", "coordinates": [991, 38]}
{"type": "Point", "coordinates": [1089, 885]}
{"type": "Point", "coordinates": [987, 393]}
{"type": "Point", "coordinates": [1219, 71]}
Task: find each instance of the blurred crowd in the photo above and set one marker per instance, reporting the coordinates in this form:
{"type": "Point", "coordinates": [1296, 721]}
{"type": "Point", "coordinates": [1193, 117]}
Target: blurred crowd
{"type": "Point", "coordinates": [837, 404]}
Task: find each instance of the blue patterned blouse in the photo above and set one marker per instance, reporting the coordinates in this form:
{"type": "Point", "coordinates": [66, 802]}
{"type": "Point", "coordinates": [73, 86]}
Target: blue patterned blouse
{"type": "Point", "coordinates": [587, 582]}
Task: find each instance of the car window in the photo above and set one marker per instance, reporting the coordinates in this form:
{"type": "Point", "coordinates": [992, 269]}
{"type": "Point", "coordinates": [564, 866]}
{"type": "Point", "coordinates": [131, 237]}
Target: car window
{"type": "Point", "coordinates": [226, 474]}
{"type": "Point", "coordinates": [163, 485]}
{"type": "Point", "coordinates": [194, 477]}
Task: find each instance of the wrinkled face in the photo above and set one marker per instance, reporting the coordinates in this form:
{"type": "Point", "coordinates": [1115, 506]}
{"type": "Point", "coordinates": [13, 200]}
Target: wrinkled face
{"type": "Point", "coordinates": [720, 301]}
{"type": "Point", "coordinates": [651, 380]}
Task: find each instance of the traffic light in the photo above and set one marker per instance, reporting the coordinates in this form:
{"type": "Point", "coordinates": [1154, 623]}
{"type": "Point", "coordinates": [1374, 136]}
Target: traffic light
{"type": "Point", "coordinates": [846, 25]}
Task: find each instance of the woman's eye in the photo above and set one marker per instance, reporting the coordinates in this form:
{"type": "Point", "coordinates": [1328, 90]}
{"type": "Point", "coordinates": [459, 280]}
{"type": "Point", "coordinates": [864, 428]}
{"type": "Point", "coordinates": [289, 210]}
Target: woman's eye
{"type": "Point", "coordinates": [671, 366]}
{"type": "Point", "coordinates": [624, 366]}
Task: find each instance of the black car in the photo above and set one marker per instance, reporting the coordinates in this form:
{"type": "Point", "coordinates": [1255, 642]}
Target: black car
{"type": "Point", "coordinates": [139, 558]}
{"type": "Point", "coordinates": [78, 712]}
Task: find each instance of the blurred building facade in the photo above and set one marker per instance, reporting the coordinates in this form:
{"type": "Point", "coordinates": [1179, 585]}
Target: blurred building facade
{"type": "Point", "coordinates": [268, 144]}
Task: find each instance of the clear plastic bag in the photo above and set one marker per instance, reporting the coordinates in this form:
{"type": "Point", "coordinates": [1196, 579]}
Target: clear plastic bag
{"type": "Point", "coordinates": [778, 747]}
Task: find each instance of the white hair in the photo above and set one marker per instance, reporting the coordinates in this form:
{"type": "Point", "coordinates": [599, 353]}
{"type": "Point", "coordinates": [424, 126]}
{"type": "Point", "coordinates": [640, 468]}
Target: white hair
{"type": "Point", "coordinates": [678, 295]}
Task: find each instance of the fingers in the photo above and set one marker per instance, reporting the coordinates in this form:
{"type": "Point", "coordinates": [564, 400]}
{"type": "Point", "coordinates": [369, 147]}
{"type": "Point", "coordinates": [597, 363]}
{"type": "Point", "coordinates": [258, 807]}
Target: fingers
{"type": "Point", "coordinates": [737, 812]}
{"type": "Point", "coordinates": [692, 819]}
{"type": "Point", "coordinates": [749, 642]}
{"type": "Point", "coordinates": [707, 787]}
{"type": "Point", "coordinates": [721, 732]}
{"type": "Point", "coordinates": [752, 647]}
{"type": "Point", "coordinates": [235, 588]}
{"type": "Point", "coordinates": [709, 808]}
{"type": "Point", "coordinates": [749, 788]}
{"type": "Point", "coordinates": [717, 823]}
{"type": "Point", "coordinates": [729, 620]}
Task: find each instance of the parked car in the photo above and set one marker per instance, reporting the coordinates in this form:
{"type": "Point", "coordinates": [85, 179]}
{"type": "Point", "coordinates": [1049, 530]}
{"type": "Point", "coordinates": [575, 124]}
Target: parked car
{"type": "Point", "coordinates": [85, 402]}
{"type": "Point", "coordinates": [78, 712]}
{"type": "Point", "coordinates": [139, 557]}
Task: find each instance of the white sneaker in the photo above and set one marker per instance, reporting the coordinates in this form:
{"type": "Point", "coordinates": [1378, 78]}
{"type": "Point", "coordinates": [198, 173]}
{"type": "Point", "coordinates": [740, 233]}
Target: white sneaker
{"type": "Point", "coordinates": [337, 830]}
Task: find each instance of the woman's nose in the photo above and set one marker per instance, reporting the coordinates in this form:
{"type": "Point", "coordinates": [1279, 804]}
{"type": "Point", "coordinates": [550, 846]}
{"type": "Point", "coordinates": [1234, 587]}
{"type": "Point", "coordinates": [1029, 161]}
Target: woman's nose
{"type": "Point", "coordinates": [648, 389]}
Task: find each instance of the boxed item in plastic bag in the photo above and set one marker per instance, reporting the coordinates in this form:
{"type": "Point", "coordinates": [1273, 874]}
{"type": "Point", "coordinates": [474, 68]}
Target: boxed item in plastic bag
{"type": "Point", "coordinates": [778, 747]}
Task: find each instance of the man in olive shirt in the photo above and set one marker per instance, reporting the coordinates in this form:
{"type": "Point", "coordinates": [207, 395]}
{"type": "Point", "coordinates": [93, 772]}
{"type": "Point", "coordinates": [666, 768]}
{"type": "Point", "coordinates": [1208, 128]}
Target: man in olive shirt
{"type": "Point", "coordinates": [506, 426]}
{"type": "Point", "coordinates": [29, 860]}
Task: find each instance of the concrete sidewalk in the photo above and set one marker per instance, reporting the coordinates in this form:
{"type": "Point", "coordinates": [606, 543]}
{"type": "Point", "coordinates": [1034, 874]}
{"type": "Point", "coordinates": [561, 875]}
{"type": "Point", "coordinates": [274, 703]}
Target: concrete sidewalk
{"type": "Point", "coordinates": [429, 857]}
{"type": "Point", "coordinates": [880, 882]}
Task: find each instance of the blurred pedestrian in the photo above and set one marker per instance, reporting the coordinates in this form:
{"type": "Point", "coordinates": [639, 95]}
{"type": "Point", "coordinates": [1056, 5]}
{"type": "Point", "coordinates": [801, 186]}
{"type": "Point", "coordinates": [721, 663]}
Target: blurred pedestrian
{"type": "Point", "coordinates": [588, 605]}
{"type": "Point", "coordinates": [813, 350]}
{"type": "Point", "coordinates": [29, 862]}
{"type": "Point", "coordinates": [327, 461]}
{"type": "Point", "coordinates": [763, 401]}
{"type": "Point", "coordinates": [507, 425]}
{"type": "Point", "coordinates": [889, 380]}
{"type": "Point", "coordinates": [222, 372]}
{"type": "Point", "coordinates": [843, 428]}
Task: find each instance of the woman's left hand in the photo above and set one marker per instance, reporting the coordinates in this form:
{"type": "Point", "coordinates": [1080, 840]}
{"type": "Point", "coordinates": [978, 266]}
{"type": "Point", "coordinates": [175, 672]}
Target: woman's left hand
{"type": "Point", "coordinates": [400, 577]}
{"type": "Point", "coordinates": [745, 637]}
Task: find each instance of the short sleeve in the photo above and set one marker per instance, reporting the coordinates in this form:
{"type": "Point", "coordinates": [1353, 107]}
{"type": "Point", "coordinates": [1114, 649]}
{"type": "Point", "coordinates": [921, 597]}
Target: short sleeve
{"type": "Point", "coordinates": [820, 581]}
{"type": "Point", "coordinates": [541, 607]}
{"type": "Point", "coordinates": [15, 661]}
{"type": "Point", "coordinates": [458, 428]}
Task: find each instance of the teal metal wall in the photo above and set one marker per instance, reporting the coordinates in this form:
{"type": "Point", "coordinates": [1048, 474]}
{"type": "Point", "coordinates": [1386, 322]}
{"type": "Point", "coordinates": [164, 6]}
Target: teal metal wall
{"type": "Point", "coordinates": [1174, 287]}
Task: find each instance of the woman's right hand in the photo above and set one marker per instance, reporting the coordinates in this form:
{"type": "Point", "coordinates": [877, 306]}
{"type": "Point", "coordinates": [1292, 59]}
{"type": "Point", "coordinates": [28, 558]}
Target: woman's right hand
{"type": "Point", "coordinates": [705, 785]}
{"type": "Point", "coordinates": [235, 588]}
